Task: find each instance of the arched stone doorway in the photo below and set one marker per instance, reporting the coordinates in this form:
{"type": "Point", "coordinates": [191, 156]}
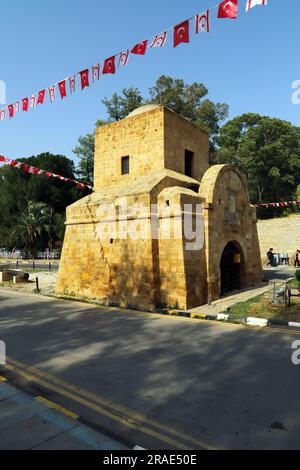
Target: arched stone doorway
{"type": "Point", "coordinates": [231, 268]}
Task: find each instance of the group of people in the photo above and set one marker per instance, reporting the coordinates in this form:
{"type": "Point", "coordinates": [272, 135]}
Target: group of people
{"type": "Point", "coordinates": [271, 258]}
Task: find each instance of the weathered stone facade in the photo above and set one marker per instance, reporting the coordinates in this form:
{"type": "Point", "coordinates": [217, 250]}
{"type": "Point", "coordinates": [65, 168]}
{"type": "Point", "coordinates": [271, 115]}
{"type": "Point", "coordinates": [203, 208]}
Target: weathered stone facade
{"type": "Point", "coordinates": [281, 234]}
{"type": "Point", "coordinates": [168, 182]}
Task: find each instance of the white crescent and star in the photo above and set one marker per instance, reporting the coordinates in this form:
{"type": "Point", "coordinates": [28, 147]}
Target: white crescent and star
{"type": "Point", "coordinates": [228, 6]}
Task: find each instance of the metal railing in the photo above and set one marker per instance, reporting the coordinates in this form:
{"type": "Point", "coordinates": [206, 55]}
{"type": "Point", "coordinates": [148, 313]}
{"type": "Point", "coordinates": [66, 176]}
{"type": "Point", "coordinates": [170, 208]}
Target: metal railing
{"type": "Point", "coordinates": [15, 255]}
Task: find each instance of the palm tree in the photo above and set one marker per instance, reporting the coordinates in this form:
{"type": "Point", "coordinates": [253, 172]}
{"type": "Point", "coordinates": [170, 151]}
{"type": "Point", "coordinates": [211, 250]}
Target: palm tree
{"type": "Point", "coordinates": [32, 224]}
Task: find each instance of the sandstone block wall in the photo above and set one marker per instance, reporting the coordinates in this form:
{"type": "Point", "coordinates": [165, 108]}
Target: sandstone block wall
{"type": "Point", "coordinates": [282, 234]}
{"type": "Point", "coordinates": [229, 217]}
{"type": "Point", "coordinates": [154, 140]}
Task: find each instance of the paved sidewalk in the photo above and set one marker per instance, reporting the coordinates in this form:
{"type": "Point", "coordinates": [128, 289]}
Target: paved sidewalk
{"type": "Point", "coordinates": [27, 424]}
{"type": "Point", "coordinates": [221, 305]}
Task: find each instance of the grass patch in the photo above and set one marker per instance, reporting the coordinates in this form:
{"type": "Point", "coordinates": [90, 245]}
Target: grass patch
{"type": "Point", "coordinates": [259, 307]}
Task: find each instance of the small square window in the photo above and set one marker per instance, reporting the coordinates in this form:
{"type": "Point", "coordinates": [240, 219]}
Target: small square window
{"type": "Point", "coordinates": [125, 166]}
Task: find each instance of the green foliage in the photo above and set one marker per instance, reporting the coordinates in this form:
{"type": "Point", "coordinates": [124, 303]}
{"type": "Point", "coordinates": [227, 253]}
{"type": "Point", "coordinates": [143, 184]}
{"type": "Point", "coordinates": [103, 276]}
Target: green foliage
{"type": "Point", "coordinates": [119, 106]}
{"type": "Point", "coordinates": [297, 275]}
{"type": "Point", "coordinates": [190, 102]}
{"type": "Point", "coordinates": [18, 189]}
{"type": "Point", "coordinates": [33, 222]}
{"type": "Point", "coordinates": [85, 152]}
{"type": "Point", "coordinates": [267, 150]}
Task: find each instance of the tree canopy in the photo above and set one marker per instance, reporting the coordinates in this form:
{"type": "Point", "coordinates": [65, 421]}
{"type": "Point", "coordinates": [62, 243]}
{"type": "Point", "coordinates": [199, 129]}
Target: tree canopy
{"type": "Point", "coordinates": [267, 150]}
{"type": "Point", "coordinates": [17, 189]}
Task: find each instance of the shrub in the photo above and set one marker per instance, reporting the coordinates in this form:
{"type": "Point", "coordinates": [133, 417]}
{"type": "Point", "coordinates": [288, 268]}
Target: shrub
{"type": "Point", "coordinates": [297, 275]}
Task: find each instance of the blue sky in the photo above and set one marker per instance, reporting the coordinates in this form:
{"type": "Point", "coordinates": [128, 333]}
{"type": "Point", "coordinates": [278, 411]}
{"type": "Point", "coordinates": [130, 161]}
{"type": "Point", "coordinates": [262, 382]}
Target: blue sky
{"type": "Point", "coordinates": [248, 63]}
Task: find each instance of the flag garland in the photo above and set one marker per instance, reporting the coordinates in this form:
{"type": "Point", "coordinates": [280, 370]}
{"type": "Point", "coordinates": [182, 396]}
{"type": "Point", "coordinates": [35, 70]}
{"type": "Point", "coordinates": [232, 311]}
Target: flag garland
{"type": "Point", "coordinates": [252, 3]}
{"type": "Point", "coordinates": [268, 205]}
{"type": "Point", "coordinates": [181, 34]}
{"type": "Point", "coordinates": [36, 171]}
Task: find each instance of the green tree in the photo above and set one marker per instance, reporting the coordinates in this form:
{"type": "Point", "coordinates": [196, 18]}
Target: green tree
{"type": "Point", "coordinates": [190, 101]}
{"type": "Point", "coordinates": [267, 150]}
{"type": "Point", "coordinates": [85, 152]}
{"type": "Point", "coordinates": [119, 106]}
{"type": "Point", "coordinates": [17, 188]}
{"type": "Point", "coordinates": [32, 223]}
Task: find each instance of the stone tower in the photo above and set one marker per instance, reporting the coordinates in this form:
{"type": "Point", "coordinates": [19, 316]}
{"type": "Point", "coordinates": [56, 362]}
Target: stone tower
{"type": "Point", "coordinates": [161, 228]}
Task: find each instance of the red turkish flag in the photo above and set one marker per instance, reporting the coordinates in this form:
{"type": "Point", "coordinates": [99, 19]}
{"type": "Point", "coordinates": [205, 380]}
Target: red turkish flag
{"type": "Point", "coordinates": [62, 89]}
{"type": "Point", "coordinates": [84, 75]}
{"type": "Point", "coordinates": [41, 97]}
{"type": "Point", "coordinates": [140, 49]}
{"type": "Point", "coordinates": [228, 9]}
{"type": "Point", "coordinates": [109, 65]}
{"type": "Point", "coordinates": [11, 110]}
{"type": "Point", "coordinates": [25, 104]}
{"type": "Point", "coordinates": [182, 33]}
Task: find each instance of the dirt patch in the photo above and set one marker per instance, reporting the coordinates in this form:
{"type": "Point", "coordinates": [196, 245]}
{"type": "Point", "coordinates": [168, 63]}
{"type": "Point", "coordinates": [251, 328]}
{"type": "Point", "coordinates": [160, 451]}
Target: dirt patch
{"type": "Point", "coordinates": [46, 279]}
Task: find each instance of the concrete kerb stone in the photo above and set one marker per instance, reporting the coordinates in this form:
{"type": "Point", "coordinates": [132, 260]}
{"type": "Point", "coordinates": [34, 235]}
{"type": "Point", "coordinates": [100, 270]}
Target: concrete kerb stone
{"type": "Point", "coordinates": [228, 318]}
{"type": "Point", "coordinates": [220, 317]}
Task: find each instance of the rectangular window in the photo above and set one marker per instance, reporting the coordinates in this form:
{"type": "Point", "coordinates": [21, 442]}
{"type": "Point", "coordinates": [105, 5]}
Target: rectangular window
{"type": "Point", "coordinates": [125, 166]}
{"type": "Point", "coordinates": [189, 163]}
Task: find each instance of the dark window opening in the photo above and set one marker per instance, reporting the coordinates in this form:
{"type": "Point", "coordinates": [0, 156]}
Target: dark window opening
{"type": "Point", "coordinates": [189, 163]}
{"type": "Point", "coordinates": [125, 166]}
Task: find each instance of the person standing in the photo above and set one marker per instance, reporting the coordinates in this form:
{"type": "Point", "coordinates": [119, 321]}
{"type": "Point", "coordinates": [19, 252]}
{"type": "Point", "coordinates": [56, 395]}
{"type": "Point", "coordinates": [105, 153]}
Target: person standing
{"type": "Point", "coordinates": [297, 259]}
{"type": "Point", "coordinates": [270, 256]}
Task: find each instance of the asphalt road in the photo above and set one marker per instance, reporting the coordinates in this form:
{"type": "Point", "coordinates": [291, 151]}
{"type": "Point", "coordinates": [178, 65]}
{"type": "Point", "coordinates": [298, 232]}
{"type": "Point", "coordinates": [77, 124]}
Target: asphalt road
{"type": "Point", "coordinates": [38, 265]}
{"type": "Point", "coordinates": [279, 272]}
{"type": "Point", "coordinates": [156, 381]}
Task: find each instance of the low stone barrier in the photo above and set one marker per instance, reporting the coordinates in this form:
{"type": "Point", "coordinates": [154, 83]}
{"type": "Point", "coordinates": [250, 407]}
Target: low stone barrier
{"type": "Point", "coordinates": [15, 276]}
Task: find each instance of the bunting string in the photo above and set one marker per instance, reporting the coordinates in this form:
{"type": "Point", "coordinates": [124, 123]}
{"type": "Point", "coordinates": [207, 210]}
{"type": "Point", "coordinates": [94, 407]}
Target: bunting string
{"type": "Point", "coordinates": [181, 34]}
{"type": "Point", "coordinates": [36, 171]}
{"type": "Point", "coordinates": [269, 205]}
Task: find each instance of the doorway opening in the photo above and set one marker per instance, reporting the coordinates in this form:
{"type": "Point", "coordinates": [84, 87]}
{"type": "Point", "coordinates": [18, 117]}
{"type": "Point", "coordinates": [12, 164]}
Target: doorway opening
{"type": "Point", "coordinates": [231, 268]}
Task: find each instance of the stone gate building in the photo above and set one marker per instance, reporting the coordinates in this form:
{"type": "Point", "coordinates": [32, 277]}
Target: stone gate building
{"type": "Point", "coordinates": [127, 244]}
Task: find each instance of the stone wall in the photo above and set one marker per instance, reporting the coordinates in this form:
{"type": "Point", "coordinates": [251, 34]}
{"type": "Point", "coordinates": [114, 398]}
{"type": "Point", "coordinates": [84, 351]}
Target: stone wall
{"type": "Point", "coordinates": [282, 234]}
{"type": "Point", "coordinates": [154, 140]}
{"type": "Point", "coordinates": [229, 217]}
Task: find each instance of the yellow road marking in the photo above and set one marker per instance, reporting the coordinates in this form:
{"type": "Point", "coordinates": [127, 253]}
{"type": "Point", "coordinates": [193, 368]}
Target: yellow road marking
{"type": "Point", "coordinates": [57, 407]}
{"type": "Point", "coordinates": [124, 421]}
{"type": "Point", "coordinates": [114, 406]}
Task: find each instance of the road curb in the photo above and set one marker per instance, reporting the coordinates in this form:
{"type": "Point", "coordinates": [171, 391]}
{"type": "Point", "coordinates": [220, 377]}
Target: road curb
{"type": "Point", "coordinates": [228, 318]}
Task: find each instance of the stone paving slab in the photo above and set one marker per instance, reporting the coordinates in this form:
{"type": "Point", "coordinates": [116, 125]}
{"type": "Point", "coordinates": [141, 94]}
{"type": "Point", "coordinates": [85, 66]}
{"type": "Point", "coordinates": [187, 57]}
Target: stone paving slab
{"type": "Point", "coordinates": [63, 442]}
{"type": "Point", "coordinates": [222, 304]}
{"type": "Point", "coordinates": [28, 434]}
{"type": "Point", "coordinates": [26, 424]}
